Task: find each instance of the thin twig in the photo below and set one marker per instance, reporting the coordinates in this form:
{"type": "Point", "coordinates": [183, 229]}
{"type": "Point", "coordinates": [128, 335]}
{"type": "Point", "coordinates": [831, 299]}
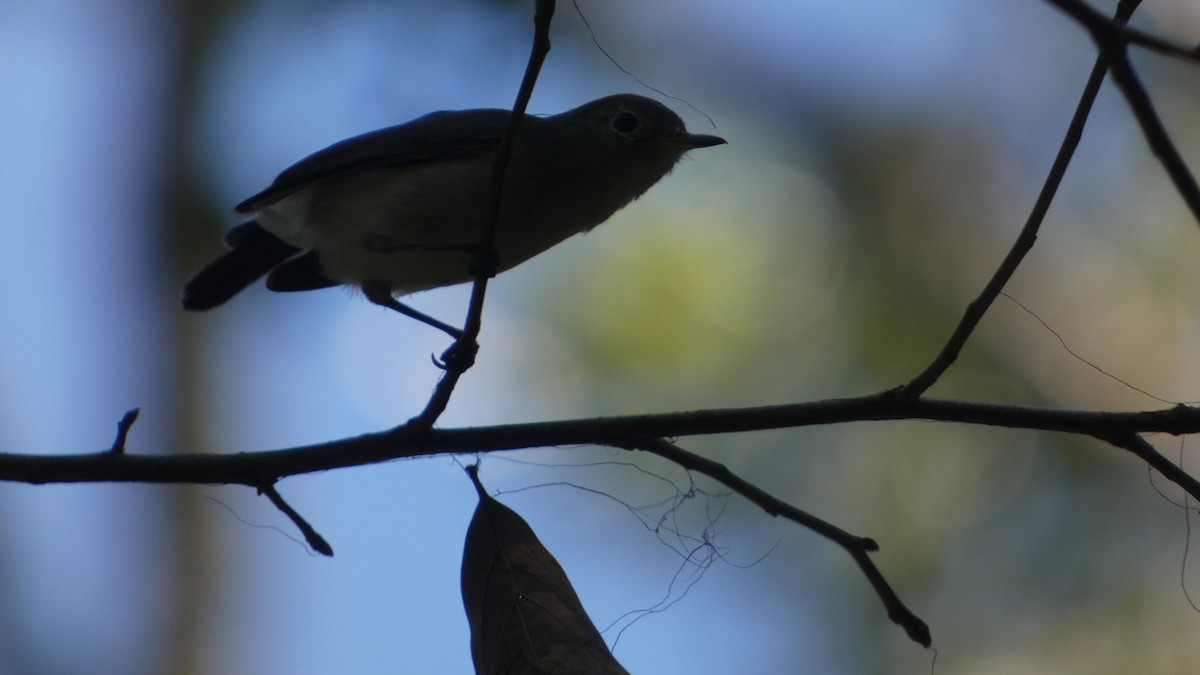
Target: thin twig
{"type": "Point", "coordinates": [1152, 127]}
{"type": "Point", "coordinates": [1113, 38]}
{"type": "Point", "coordinates": [461, 355]}
{"type": "Point", "coordinates": [1115, 30]}
{"type": "Point", "coordinates": [978, 307]}
{"type": "Point", "coordinates": [859, 548]}
{"type": "Point", "coordinates": [314, 539]}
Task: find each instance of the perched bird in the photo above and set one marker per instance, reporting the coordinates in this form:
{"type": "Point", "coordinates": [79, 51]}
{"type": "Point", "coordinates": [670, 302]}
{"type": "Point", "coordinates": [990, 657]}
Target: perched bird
{"type": "Point", "coordinates": [403, 209]}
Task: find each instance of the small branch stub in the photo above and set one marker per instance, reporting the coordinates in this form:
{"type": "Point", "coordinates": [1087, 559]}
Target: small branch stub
{"type": "Point", "coordinates": [118, 446]}
{"type": "Point", "coordinates": [314, 539]}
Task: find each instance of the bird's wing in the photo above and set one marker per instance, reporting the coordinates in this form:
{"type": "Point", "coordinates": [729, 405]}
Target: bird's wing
{"type": "Point", "coordinates": [434, 137]}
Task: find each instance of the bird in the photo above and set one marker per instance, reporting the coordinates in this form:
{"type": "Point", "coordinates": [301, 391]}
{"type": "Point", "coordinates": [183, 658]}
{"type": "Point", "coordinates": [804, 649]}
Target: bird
{"type": "Point", "coordinates": [403, 209]}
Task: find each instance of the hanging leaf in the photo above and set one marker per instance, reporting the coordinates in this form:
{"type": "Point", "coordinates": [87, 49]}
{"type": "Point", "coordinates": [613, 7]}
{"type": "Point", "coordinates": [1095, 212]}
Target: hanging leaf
{"type": "Point", "coordinates": [525, 617]}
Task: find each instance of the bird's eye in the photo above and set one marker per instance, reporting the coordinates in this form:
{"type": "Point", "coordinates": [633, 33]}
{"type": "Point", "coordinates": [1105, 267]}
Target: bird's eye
{"type": "Point", "coordinates": [625, 122]}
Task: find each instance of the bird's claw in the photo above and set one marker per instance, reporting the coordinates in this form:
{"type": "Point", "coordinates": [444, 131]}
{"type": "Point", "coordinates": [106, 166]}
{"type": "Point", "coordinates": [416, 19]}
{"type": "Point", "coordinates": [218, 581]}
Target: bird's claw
{"type": "Point", "coordinates": [459, 357]}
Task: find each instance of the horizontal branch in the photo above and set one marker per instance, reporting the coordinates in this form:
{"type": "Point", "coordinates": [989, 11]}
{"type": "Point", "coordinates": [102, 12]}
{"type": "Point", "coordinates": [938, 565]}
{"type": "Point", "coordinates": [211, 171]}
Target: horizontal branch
{"type": "Point", "coordinates": [260, 468]}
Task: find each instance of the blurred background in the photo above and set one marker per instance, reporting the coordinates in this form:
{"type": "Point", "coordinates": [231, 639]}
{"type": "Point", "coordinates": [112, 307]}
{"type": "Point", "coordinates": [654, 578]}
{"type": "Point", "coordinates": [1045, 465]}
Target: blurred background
{"type": "Point", "coordinates": [882, 157]}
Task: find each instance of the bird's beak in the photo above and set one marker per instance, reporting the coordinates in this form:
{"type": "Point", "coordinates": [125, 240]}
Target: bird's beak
{"type": "Point", "coordinates": [693, 141]}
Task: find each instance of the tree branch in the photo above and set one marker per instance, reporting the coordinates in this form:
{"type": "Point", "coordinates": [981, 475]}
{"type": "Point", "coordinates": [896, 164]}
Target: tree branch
{"type": "Point", "coordinates": [1152, 127]}
{"type": "Point", "coordinates": [1024, 243]}
{"type": "Point", "coordinates": [1113, 38]}
{"type": "Point", "coordinates": [314, 538]}
{"type": "Point", "coordinates": [1115, 30]}
{"type": "Point", "coordinates": [260, 468]}
{"type": "Point", "coordinates": [859, 548]}
{"type": "Point", "coordinates": [461, 355]}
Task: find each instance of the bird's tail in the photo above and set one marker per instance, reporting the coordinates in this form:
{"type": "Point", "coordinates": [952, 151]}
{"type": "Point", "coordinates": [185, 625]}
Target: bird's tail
{"type": "Point", "coordinates": [253, 252]}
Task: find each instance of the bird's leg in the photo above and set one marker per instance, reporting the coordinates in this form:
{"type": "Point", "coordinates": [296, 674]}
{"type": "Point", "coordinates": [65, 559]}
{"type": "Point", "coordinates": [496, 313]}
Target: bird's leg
{"type": "Point", "coordinates": [382, 296]}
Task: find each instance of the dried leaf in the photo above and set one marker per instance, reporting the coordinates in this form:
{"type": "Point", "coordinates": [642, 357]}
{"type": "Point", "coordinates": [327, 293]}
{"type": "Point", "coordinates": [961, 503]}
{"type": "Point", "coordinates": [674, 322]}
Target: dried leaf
{"type": "Point", "coordinates": [525, 617]}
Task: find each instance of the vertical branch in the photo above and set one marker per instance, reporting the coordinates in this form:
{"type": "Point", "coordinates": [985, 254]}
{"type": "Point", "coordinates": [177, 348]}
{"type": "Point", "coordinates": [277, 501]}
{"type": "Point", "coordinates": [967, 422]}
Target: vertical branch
{"type": "Point", "coordinates": [978, 307]}
{"type": "Point", "coordinates": [461, 355]}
